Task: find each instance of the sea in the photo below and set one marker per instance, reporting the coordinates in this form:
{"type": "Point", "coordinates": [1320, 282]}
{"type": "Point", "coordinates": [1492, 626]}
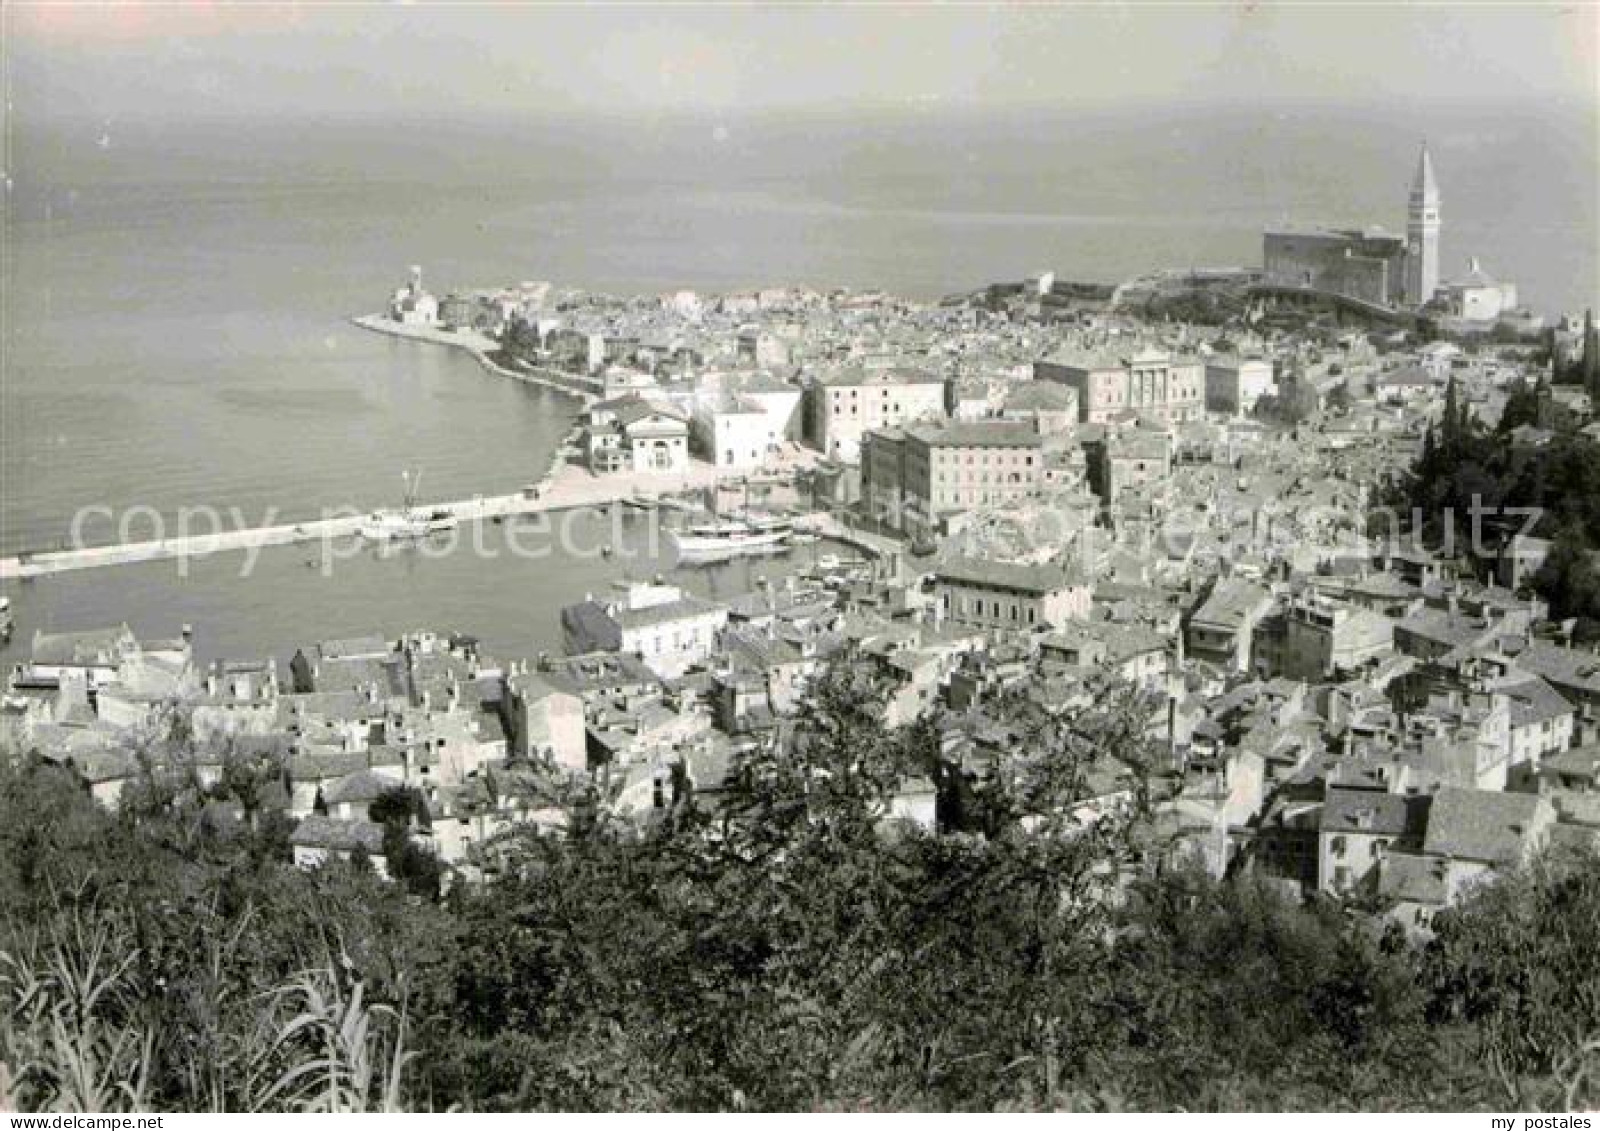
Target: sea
{"type": "Point", "coordinates": [176, 299]}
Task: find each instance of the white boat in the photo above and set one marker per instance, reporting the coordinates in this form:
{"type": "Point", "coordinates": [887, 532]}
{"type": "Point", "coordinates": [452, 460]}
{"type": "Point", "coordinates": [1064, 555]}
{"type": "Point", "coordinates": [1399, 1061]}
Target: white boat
{"type": "Point", "coordinates": [727, 539]}
{"type": "Point", "coordinates": [410, 522]}
{"type": "Point", "coordinates": [406, 525]}
{"type": "Point", "coordinates": [769, 523]}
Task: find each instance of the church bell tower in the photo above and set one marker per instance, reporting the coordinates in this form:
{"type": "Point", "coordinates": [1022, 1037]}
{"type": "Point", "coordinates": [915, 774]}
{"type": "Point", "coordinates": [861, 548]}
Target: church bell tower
{"type": "Point", "coordinates": [1422, 234]}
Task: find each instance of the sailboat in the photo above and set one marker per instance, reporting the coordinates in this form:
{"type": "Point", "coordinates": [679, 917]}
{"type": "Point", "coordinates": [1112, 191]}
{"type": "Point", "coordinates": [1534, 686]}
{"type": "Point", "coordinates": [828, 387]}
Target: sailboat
{"type": "Point", "coordinates": [410, 522]}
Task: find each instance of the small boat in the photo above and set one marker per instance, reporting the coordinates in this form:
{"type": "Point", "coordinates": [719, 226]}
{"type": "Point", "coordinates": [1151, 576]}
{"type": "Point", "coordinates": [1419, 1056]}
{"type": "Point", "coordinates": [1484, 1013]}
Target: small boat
{"type": "Point", "coordinates": [804, 538]}
{"type": "Point", "coordinates": [769, 523]}
{"type": "Point", "coordinates": [6, 621]}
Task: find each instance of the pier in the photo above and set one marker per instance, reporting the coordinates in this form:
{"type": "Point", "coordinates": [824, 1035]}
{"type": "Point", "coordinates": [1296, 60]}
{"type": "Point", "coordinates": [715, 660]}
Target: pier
{"type": "Point", "coordinates": [566, 488]}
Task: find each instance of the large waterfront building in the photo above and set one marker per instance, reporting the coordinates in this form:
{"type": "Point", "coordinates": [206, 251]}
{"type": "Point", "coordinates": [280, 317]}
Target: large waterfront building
{"type": "Point", "coordinates": [1111, 386]}
{"type": "Point", "coordinates": [630, 433]}
{"type": "Point", "coordinates": [1369, 265]}
{"type": "Point", "coordinates": [743, 423]}
{"type": "Point", "coordinates": [913, 477]}
{"type": "Point", "coordinates": [849, 403]}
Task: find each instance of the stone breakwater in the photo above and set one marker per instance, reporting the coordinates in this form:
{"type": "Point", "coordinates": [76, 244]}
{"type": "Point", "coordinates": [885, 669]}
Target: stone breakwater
{"type": "Point", "coordinates": [564, 487]}
{"type": "Point", "coordinates": [480, 346]}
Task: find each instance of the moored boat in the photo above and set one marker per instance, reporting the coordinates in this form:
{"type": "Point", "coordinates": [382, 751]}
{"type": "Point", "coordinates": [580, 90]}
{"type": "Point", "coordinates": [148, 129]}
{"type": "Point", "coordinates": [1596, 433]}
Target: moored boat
{"type": "Point", "coordinates": [403, 525]}
{"type": "Point", "coordinates": [409, 522]}
{"type": "Point", "coordinates": [727, 539]}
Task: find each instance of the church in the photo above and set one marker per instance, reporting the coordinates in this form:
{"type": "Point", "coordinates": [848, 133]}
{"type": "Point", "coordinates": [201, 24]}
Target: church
{"type": "Point", "coordinates": [1370, 265]}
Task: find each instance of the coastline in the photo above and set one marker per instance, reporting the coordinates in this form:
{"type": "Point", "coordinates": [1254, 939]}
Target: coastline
{"type": "Point", "coordinates": [563, 486]}
{"type": "Point", "coordinates": [479, 346]}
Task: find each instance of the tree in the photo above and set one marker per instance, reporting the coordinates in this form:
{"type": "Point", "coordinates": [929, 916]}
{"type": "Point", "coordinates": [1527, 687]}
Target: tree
{"type": "Point", "coordinates": [1589, 363]}
{"type": "Point", "coordinates": [1522, 407]}
{"type": "Point", "coordinates": [419, 869]}
{"type": "Point", "coordinates": [1517, 963]}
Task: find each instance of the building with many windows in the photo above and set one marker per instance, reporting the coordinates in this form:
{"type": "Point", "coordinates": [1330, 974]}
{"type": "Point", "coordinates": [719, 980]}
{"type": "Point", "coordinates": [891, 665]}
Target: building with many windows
{"type": "Point", "coordinates": [1005, 595]}
{"type": "Point", "coordinates": [1115, 386]}
{"type": "Point", "coordinates": [849, 403]}
{"type": "Point", "coordinates": [912, 478]}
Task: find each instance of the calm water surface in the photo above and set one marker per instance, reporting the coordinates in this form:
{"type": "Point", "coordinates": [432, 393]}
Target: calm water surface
{"type": "Point", "coordinates": [175, 303]}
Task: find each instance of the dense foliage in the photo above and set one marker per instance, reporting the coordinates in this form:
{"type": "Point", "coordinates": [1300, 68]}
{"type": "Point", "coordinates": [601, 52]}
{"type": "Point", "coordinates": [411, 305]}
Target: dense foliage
{"type": "Point", "coordinates": [781, 950]}
{"type": "Point", "coordinates": [1465, 469]}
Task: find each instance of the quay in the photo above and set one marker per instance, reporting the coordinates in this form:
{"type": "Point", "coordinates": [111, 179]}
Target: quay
{"type": "Point", "coordinates": [480, 346]}
{"type": "Point", "coordinates": [567, 487]}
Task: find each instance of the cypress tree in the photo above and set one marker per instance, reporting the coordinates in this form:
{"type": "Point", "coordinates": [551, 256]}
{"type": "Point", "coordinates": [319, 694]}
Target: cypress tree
{"type": "Point", "coordinates": [1590, 365]}
{"type": "Point", "coordinates": [1451, 428]}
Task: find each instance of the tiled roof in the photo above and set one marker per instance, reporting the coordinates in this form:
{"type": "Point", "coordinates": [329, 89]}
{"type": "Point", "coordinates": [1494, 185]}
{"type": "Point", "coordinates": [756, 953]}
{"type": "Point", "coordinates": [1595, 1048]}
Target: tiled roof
{"type": "Point", "coordinates": [897, 375]}
{"type": "Point", "coordinates": [337, 835]}
{"type": "Point", "coordinates": [1372, 812]}
{"type": "Point", "coordinates": [1480, 825]}
{"type": "Point", "coordinates": [684, 608]}
{"type": "Point", "coordinates": [978, 433]}
{"type": "Point", "coordinates": [985, 573]}
{"type": "Point", "coordinates": [1534, 701]}
{"type": "Point", "coordinates": [1412, 879]}
{"type": "Point", "coordinates": [76, 649]}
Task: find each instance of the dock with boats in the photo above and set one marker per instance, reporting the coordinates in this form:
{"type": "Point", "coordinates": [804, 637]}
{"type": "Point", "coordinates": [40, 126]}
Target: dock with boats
{"type": "Point", "coordinates": [564, 488]}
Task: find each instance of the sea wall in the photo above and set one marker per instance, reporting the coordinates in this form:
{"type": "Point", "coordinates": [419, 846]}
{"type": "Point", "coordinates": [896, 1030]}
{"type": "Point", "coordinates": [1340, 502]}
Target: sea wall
{"type": "Point", "coordinates": [481, 346]}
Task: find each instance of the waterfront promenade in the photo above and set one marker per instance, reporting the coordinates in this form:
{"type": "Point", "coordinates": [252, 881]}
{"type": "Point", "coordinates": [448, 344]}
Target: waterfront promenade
{"type": "Point", "coordinates": [567, 487]}
{"type": "Point", "coordinates": [564, 487]}
{"type": "Point", "coordinates": [480, 346]}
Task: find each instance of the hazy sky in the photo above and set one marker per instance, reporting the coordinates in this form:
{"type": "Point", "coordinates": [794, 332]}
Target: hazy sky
{"type": "Point", "coordinates": [183, 59]}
